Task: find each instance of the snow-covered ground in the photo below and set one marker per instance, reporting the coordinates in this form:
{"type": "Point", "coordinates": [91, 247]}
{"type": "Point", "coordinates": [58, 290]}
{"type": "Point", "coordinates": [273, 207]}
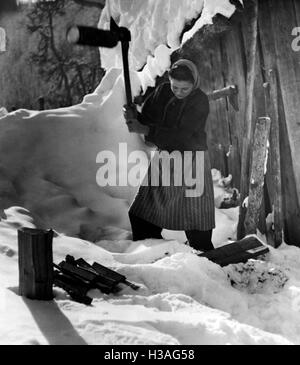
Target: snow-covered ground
{"type": "Point", "coordinates": [183, 299]}
{"type": "Point", "coordinates": [49, 165]}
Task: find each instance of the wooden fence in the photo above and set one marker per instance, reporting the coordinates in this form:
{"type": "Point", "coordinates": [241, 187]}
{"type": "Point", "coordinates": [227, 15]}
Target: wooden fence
{"type": "Point", "coordinates": [222, 53]}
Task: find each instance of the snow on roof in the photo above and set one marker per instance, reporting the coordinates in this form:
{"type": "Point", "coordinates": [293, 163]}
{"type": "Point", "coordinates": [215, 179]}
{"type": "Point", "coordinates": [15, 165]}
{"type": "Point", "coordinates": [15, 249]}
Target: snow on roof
{"type": "Point", "coordinates": [156, 28]}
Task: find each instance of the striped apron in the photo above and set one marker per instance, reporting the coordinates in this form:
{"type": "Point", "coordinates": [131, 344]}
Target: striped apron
{"type": "Point", "coordinates": [169, 206]}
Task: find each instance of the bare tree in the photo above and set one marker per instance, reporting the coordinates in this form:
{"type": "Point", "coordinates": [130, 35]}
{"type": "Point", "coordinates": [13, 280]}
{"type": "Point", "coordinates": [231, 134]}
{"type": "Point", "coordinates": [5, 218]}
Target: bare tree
{"type": "Point", "coordinates": [70, 72]}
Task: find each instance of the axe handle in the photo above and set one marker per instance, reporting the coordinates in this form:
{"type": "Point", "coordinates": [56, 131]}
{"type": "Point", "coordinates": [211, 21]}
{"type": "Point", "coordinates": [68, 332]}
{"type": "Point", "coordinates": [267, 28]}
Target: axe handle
{"type": "Point", "coordinates": [125, 48]}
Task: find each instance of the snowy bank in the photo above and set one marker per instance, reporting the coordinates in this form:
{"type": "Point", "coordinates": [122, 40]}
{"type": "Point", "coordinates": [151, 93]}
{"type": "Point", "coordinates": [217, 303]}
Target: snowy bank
{"type": "Point", "coordinates": [183, 299]}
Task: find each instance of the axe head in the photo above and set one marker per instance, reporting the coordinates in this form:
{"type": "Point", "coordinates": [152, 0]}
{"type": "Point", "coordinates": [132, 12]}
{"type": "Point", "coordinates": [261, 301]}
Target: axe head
{"type": "Point", "coordinates": [230, 91]}
{"type": "Point", "coordinates": [233, 97]}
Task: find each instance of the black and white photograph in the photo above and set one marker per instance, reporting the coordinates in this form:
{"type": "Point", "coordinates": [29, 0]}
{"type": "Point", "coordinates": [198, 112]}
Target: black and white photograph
{"type": "Point", "coordinates": [149, 175]}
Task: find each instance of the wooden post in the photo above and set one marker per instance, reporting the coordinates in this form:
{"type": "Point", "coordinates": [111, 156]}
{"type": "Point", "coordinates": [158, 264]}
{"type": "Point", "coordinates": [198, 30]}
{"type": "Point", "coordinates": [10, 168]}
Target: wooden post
{"type": "Point", "coordinates": [35, 263]}
{"type": "Point", "coordinates": [272, 112]}
{"type": "Point", "coordinates": [245, 168]}
{"type": "Point", "coordinates": [259, 156]}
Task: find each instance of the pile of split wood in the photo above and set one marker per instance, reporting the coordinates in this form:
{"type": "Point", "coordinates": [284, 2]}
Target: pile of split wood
{"type": "Point", "coordinates": [77, 277]}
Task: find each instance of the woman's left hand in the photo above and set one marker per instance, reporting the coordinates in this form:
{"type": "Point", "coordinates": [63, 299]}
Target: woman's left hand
{"type": "Point", "coordinates": [134, 126]}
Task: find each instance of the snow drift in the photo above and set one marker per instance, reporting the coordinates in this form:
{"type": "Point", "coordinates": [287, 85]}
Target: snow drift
{"type": "Point", "coordinates": [183, 299]}
{"type": "Point", "coordinates": [48, 162]}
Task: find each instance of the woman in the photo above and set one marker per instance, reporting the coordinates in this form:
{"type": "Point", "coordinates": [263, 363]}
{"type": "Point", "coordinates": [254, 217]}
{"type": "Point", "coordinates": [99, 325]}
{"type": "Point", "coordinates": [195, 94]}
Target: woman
{"type": "Point", "coordinates": [173, 118]}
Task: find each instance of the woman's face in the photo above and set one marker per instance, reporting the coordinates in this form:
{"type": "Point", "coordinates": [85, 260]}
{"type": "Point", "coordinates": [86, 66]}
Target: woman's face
{"type": "Point", "coordinates": [181, 89]}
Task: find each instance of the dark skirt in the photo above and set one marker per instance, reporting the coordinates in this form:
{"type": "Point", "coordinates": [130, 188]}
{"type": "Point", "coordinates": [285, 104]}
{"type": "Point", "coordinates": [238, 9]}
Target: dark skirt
{"type": "Point", "coordinates": [169, 207]}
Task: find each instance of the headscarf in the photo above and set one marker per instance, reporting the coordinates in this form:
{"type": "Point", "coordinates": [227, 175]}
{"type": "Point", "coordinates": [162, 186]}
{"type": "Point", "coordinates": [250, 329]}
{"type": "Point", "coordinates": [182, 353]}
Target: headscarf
{"type": "Point", "coordinates": [192, 67]}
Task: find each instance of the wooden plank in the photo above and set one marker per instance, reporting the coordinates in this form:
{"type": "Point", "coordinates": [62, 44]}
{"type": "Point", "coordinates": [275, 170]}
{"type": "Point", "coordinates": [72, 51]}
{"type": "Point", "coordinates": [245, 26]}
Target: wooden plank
{"type": "Point", "coordinates": [291, 206]}
{"type": "Point", "coordinates": [217, 128]}
{"type": "Point", "coordinates": [233, 56]}
{"type": "Point", "coordinates": [272, 111]}
{"type": "Point", "coordinates": [260, 140]}
{"type": "Point", "coordinates": [105, 271]}
{"type": "Point", "coordinates": [289, 77]}
{"type": "Point", "coordinates": [267, 34]}
{"type": "Point", "coordinates": [247, 140]}
{"type": "Point", "coordinates": [269, 16]}
{"type": "Point", "coordinates": [35, 263]}
{"type": "Point", "coordinates": [296, 4]}
{"type": "Point", "coordinates": [240, 251]}
{"type": "Point", "coordinates": [273, 176]}
{"type": "Point", "coordinates": [234, 73]}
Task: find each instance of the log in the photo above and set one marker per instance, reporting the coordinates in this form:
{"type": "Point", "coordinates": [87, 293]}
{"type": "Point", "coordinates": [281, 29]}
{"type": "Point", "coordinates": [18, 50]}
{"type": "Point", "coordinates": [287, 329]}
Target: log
{"type": "Point", "coordinates": [244, 187]}
{"type": "Point", "coordinates": [272, 112]}
{"type": "Point", "coordinates": [257, 176]}
{"type": "Point", "coordinates": [35, 263]}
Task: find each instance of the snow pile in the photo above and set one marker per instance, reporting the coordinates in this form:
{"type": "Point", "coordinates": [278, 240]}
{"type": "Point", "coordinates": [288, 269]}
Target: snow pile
{"type": "Point", "coordinates": [49, 164]}
{"type": "Point", "coordinates": [50, 159]}
{"type": "Point", "coordinates": [210, 9]}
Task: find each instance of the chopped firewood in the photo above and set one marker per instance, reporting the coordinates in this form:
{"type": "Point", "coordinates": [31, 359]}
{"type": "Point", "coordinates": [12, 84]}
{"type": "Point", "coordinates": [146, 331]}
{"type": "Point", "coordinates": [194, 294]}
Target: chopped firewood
{"type": "Point", "coordinates": [73, 287]}
{"type": "Point", "coordinates": [118, 277]}
{"type": "Point", "coordinates": [77, 277]}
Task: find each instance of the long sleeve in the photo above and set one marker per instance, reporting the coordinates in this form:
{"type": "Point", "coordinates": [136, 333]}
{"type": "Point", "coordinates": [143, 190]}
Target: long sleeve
{"type": "Point", "coordinates": [150, 114]}
{"type": "Point", "coordinates": [152, 110]}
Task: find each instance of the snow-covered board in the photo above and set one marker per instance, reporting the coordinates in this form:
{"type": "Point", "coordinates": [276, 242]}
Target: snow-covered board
{"type": "Point", "coordinates": [239, 251]}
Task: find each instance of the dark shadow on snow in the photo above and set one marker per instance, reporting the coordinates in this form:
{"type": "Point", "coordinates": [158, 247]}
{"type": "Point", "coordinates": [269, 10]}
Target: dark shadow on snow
{"type": "Point", "coordinates": [54, 325]}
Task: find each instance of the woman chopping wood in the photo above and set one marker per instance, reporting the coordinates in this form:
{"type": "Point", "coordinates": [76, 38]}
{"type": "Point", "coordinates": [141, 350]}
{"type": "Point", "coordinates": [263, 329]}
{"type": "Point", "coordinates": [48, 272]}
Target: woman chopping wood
{"type": "Point", "coordinates": [173, 118]}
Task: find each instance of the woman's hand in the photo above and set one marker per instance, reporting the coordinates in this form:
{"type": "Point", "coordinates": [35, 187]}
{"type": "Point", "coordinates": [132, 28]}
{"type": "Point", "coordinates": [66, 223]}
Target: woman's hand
{"type": "Point", "coordinates": [129, 112]}
{"type": "Point", "coordinates": [134, 126]}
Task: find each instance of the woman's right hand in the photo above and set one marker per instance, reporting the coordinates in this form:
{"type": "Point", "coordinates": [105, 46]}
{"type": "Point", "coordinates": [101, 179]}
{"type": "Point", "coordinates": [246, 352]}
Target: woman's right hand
{"type": "Point", "coordinates": [129, 112]}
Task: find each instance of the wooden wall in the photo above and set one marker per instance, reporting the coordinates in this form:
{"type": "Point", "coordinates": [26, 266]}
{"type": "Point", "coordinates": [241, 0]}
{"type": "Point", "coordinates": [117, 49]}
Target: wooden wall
{"type": "Point", "coordinates": [221, 53]}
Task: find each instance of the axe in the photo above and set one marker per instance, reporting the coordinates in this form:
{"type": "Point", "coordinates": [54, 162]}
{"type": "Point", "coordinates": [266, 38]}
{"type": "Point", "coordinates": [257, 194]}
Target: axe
{"type": "Point", "coordinates": [230, 91]}
{"type": "Point", "coordinates": [89, 36]}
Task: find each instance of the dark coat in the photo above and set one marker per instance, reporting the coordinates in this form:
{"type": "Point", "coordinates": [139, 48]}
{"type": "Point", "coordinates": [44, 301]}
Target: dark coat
{"type": "Point", "coordinates": [176, 124]}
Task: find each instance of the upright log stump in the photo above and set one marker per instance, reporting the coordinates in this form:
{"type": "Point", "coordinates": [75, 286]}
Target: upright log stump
{"type": "Point", "coordinates": [35, 263]}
